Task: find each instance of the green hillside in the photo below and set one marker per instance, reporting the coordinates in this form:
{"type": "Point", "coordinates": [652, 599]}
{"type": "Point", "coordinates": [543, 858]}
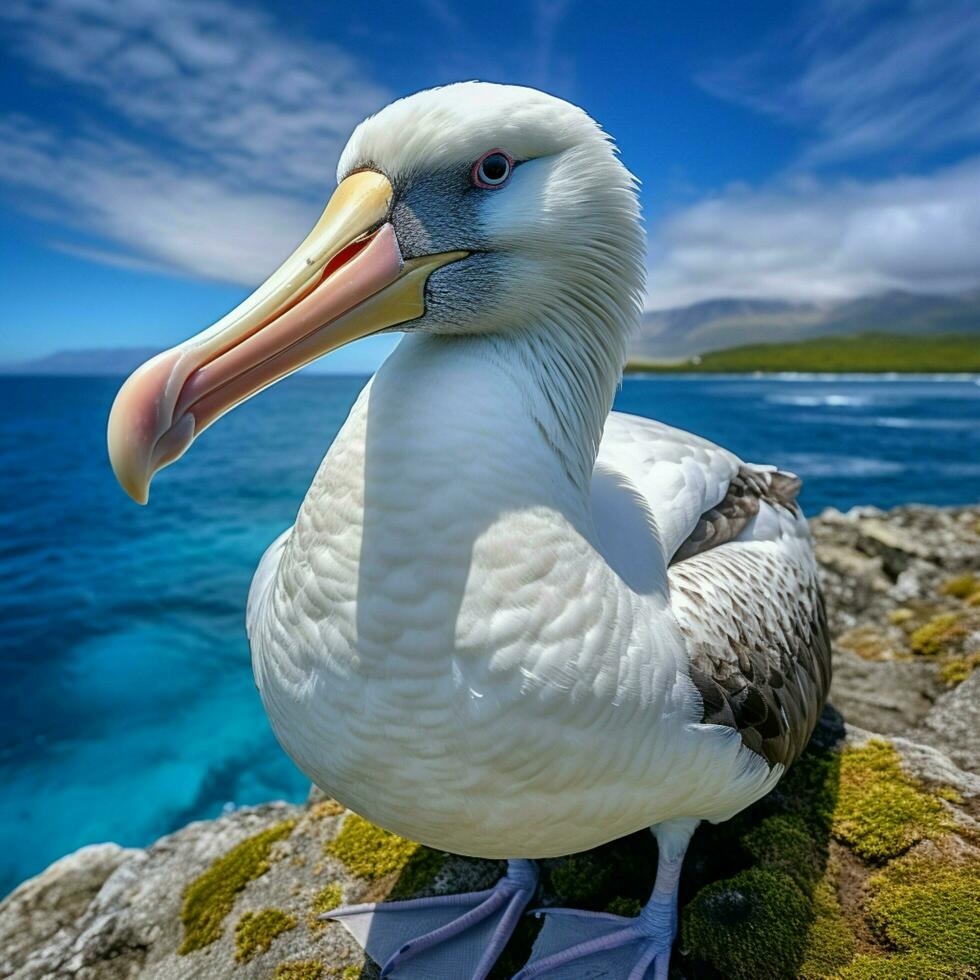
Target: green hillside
{"type": "Point", "coordinates": [861, 353]}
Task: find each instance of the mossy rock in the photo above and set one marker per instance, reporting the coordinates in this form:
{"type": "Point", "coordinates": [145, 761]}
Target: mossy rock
{"type": "Point", "coordinates": [899, 966]}
{"type": "Point", "coordinates": [784, 842]}
{"type": "Point", "coordinates": [781, 916]}
{"type": "Point", "coordinates": [928, 903]}
{"type": "Point", "coordinates": [210, 897]}
{"type": "Point", "coordinates": [962, 586]}
{"type": "Point", "coordinates": [830, 942]}
{"type": "Point", "coordinates": [579, 880]}
{"type": "Point", "coordinates": [372, 853]}
{"type": "Point", "coordinates": [881, 811]}
{"type": "Point", "coordinates": [299, 970]}
{"type": "Point", "coordinates": [750, 927]}
{"type": "Point", "coordinates": [256, 931]}
{"type": "Point", "coordinates": [942, 634]}
{"type": "Point", "coordinates": [327, 899]}
{"type": "Point", "coordinates": [957, 669]}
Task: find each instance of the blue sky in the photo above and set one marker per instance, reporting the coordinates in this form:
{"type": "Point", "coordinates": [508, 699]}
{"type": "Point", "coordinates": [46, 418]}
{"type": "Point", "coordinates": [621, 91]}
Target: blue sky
{"type": "Point", "coordinates": [159, 157]}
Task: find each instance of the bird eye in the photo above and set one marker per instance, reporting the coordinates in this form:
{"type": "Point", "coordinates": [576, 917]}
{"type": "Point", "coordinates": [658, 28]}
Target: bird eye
{"type": "Point", "coordinates": [492, 169]}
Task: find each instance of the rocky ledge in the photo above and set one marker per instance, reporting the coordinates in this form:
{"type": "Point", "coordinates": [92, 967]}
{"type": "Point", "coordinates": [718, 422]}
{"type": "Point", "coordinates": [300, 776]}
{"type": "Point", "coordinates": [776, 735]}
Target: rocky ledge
{"type": "Point", "coordinates": [863, 863]}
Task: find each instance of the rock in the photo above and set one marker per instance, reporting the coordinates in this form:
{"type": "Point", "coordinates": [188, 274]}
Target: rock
{"type": "Point", "coordinates": [890, 698]}
{"type": "Point", "coordinates": [822, 863]}
{"type": "Point", "coordinates": [953, 724]}
{"type": "Point", "coordinates": [44, 911]}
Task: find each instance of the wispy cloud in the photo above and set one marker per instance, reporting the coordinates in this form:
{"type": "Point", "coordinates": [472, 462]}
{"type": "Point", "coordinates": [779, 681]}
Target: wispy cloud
{"type": "Point", "coordinates": [866, 77]}
{"type": "Point", "coordinates": [204, 125]}
{"type": "Point", "coordinates": [886, 82]}
{"type": "Point", "coordinates": [807, 239]}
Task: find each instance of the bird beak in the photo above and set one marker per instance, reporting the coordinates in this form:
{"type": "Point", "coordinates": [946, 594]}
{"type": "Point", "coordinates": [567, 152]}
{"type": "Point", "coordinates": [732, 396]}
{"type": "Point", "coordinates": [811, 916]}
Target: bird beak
{"type": "Point", "coordinates": [346, 280]}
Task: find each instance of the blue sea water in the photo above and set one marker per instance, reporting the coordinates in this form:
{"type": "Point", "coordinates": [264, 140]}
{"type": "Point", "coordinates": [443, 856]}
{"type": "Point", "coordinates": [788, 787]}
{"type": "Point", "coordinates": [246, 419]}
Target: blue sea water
{"type": "Point", "coordinates": [126, 699]}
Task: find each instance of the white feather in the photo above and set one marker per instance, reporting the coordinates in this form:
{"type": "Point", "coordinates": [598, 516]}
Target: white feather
{"type": "Point", "coordinates": [469, 636]}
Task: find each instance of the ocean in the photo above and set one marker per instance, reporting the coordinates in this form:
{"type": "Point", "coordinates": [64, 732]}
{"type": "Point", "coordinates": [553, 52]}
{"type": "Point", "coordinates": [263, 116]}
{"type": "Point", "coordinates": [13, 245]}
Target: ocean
{"type": "Point", "coordinates": [127, 706]}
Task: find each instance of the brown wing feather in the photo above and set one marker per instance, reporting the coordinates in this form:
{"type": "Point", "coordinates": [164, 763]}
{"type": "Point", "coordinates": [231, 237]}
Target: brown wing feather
{"type": "Point", "coordinates": [755, 623]}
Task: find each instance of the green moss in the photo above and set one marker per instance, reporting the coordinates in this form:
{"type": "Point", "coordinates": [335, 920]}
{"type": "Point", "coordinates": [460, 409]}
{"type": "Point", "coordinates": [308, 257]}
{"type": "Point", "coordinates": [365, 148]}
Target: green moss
{"type": "Point", "coordinates": [961, 587]}
{"type": "Point", "coordinates": [350, 973]}
{"type": "Point", "coordinates": [880, 810]}
{"type": "Point", "coordinates": [256, 931]}
{"type": "Point", "coordinates": [942, 634]}
{"type": "Point", "coordinates": [830, 943]}
{"type": "Point", "coordinates": [903, 966]}
{"type": "Point", "coordinates": [579, 879]}
{"type": "Point", "coordinates": [929, 903]}
{"type": "Point", "coordinates": [958, 669]}
{"type": "Point", "coordinates": [783, 842]}
{"type": "Point", "coordinates": [327, 899]}
{"type": "Point", "coordinates": [372, 853]}
{"type": "Point", "coordinates": [749, 927]}
{"type": "Point", "coordinates": [630, 907]}
{"type": "Point", "coordinates": [210, 897]}
{"type": "Point", "coordinates": [782, 916]}
{"type": "Point", "coordinates": [299, 970]}
{"type": "Point", "coordinates": [868, 643]}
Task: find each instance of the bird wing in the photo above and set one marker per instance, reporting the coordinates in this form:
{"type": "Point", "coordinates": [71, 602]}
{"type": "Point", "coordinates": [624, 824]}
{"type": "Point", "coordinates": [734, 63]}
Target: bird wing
{"type": "Point", "coordinates": [753, 616]}
{"type": "Point", "coordinates": [740, 575]}
{"type": "Point", "coordinates": [678, 476]}
{"type": "Point", "coordinates": [263, 578]}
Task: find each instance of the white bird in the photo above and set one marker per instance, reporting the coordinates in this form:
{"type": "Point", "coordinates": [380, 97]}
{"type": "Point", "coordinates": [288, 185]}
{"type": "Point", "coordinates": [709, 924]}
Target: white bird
{"type": "Point", "coordinates": [506, 622]}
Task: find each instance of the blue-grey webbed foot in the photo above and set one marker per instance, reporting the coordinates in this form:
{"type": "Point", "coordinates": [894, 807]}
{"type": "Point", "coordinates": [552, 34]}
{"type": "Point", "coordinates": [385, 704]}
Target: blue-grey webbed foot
{"type": "Point", "coordinates": [576, 945]}
{"type": "Point", "coordinates": [447, 937]}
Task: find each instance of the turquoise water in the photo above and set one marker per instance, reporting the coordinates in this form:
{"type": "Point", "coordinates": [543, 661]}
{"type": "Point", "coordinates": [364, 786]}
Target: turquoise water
{"type": "Point", "coordinates": [126, 699]}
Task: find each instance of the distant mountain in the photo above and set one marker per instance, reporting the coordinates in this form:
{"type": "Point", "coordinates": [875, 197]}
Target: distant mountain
{"type": "Point", "coordinates": [92, 361]}
{"type": "Point", "coordinates": [722, 323]}
{"type": "Point", "coordinates": [674, 334]}
{"type": "Point", "coordinates": [944, 353]}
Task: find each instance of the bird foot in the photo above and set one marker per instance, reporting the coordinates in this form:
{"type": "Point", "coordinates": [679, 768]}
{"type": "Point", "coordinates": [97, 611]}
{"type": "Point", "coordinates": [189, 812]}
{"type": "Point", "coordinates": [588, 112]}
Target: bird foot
{"type": "Point", "coordinates": [576, 945]}
{"type": "Point", "coordinates": [447, 937]}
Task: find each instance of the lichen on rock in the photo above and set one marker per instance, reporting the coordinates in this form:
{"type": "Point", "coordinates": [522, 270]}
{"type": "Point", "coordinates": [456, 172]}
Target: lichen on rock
{"type": "Point", "coordinates": [858, 806]}
{"type": "Point", "coordinates": [326, 900]}
{"type": "Point", "coordinates": [942, 634]}
{"type": "Point", "coordinates": [881, 811]}
{"type": "Point", "coordinates": [256, 931]}
{"type": "Point", "coordinates": [299, 970]}
{"type": "Point", "coordinates": [210, 897]}
{"type": "Point", "coordinates": [858, 866]}
{"type": "Point", "coordinates": [961, 586]}
{"type": "Point", "coordinates": [372, 853]}
{"type": "Point", "coordinates": [899, 966]}
{"type": "Point", "coordinates": [928, 902]}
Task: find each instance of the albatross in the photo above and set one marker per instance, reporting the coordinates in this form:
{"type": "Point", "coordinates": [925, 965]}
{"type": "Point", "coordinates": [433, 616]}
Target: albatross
{"type": "Point", "coordinates": [507, 622]}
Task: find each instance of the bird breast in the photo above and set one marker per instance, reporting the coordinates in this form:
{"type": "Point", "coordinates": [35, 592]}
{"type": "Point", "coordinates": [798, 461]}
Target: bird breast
{"type": "Point", "coordinates": [443, 649]}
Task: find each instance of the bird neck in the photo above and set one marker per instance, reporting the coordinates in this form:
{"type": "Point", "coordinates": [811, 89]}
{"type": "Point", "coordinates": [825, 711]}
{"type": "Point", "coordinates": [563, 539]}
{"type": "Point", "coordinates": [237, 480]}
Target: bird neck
{"type": "Point", "coordinates": [569, 381]}
{"type": "Point", "coordinates": [546, 377]}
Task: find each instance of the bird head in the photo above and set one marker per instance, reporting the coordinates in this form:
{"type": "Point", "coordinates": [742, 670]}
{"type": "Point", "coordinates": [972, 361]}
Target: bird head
{"type": "Point", "coordinates": [469, 209]}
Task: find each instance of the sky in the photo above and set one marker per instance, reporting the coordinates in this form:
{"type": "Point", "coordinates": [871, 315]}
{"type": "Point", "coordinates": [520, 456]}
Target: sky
{"type": "Point", "coordinates": [158, 158]}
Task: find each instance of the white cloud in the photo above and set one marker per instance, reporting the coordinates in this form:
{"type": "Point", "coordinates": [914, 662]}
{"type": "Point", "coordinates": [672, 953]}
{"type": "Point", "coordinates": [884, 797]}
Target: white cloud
{"type": "Point", "coordinates": [892, 82]}
{"type": "Point", "coordinates": [232, 129]}
{"type": "Point", "coordinates": [822, 240]}
{"type": "Point", "coordinates": [867, 77]}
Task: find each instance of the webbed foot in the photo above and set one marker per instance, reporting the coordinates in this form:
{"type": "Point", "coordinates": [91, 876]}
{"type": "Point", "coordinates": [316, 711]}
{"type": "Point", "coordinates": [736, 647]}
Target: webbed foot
{"type": "Point", "coordinates": [447, 937]}
{"type": "Point", "coordinates": [576, 945]}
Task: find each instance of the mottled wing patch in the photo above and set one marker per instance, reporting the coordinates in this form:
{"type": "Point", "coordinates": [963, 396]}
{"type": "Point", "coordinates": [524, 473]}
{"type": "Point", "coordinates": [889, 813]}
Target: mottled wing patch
{"type": "Point", "coordinates": [726, 521]}
{"type": "Point", "coordinates": [754, 619]}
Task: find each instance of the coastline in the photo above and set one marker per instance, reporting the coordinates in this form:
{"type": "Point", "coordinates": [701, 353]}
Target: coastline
{"type": "Point", "coordinates": [890, 787]}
